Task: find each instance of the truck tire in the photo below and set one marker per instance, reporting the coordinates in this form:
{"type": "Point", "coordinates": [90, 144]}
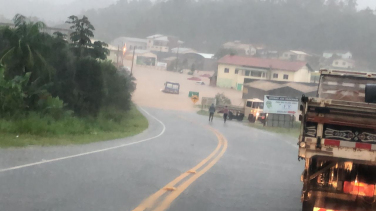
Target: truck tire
{"type": "Point", "coordinates": [230, 115]}
{"type": "Point", "coordinates": [307, 206]}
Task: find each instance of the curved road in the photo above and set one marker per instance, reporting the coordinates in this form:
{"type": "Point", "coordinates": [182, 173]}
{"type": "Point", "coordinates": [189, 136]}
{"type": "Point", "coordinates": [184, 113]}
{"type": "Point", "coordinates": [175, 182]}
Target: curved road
{"type": "Point", "coordinates": [181, 162]}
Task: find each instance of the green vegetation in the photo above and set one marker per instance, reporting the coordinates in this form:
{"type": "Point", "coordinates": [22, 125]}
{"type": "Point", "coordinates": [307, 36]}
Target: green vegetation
{"type": "Point", "coordinates": [206, 113]}
{"type": "Point", "coordinates": [293, 132]}
{"type": "Point", "coordinates": [44, 130]}
{"type": "Point", "coordinates": [221, 99]}
{"type": "Point", "coordinates": [51, 89]}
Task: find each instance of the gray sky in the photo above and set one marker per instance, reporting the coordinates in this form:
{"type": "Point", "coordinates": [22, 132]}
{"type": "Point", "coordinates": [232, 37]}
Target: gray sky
{"type": "Point", "coordinates": [54, 11]}
{"type": "Point", "coordinates": [366, 3]}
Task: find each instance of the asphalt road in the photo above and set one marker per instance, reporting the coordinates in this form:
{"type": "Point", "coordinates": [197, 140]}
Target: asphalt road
{"type": "Point", "coordinates": [248, 169]}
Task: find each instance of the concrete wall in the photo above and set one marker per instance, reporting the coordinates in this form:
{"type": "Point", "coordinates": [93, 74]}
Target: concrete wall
{"type": "Point", "coordinates": [281, 73]}
{"type": "Point", "coordinates": [342, 64]}
{"type": "Point", "coordinates": [303, 75]}
{"type": "Point", "coordinates": [139, 45]}
{"type": "Point", "coordinates": [288, 55]}
{"type": "Point", "coordinates": [230, 79]}
{"type": "Point", "coordinates": [226, 80]}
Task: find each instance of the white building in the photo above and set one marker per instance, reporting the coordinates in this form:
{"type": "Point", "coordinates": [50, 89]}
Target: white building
{"type": "Point", "coordinates": [342, 54]}
{"type": "Point", "coordinates": [343, 63]}
{"type": "Point", "coordinates": [295, 56]}
{"type": "Point", "coordinates": [162, 43]}
{"type": "Point", "coordinates": [241, 48]}
{"type": "Point", "coordinates": [130, 43]}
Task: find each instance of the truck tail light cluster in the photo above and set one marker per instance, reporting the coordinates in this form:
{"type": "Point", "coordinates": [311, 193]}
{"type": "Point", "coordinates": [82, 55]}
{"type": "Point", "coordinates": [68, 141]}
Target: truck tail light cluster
{"type": "Point", "coordinates": [323, 209]}
{"type": "Point", "coordinates": [359, 188]}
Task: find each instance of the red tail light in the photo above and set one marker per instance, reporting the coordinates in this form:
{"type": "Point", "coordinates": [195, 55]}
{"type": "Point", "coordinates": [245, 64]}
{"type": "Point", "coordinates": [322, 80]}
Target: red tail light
{"type": "Point", "coordinates": [359, 188]}
{"type": "Point", "coordinates": [322, 209]}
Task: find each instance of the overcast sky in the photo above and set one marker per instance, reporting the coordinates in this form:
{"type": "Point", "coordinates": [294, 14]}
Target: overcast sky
{"type": "Point", "coordinates": [366, 3]}
{"type": "Point", "coordinates": [54, 11]}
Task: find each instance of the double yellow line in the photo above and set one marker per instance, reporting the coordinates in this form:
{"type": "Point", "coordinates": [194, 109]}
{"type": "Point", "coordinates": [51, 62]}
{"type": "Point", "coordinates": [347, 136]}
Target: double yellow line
{"type": "Point", "coordinates": [158, 203]}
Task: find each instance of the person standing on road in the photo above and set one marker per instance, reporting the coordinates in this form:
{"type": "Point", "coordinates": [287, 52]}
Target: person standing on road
{"type": "Point", "coordinates": [225, 113]}
{"type": "Point", "coordinates": [211, 112]}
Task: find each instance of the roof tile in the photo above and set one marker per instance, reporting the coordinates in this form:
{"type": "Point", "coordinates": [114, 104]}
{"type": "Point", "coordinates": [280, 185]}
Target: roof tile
{"type": "Point", "coordinates": [263, 63]}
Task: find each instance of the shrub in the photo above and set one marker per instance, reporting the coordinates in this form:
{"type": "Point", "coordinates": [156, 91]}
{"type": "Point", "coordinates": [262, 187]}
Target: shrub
{"type": "Point", "coordinates": [117, 87]}
{"type": "Point", "coordinates": [88, 90]}
{"type": "Point", "coordinates": [221, 99]}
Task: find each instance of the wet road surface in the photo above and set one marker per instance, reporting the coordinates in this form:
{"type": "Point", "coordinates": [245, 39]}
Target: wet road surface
{"type": "Point", "coordinates": [241, 169]}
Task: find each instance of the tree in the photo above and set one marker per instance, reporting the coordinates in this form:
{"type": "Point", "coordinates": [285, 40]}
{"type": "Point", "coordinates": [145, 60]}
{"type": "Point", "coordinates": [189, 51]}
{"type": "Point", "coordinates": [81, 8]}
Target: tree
{"type": "Point", "coordinates": [82, 33]}
{"type": "Point", "coordinates": [221, 99]}
{"type": "Point", "coordinates": [117, 86]}
{"type": "Point", "coordinates": [87, 95]}
{"type": "Point", "coordinates": [24, 53]}
{"type": "Point", "coordinates": [99, 50]}
{"type": "Point", "coordinates": [224, 51]}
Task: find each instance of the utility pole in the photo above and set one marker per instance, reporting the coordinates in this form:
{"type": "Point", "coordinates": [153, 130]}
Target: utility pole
{"type": "Point", "coordinates": [134, 49]}
{"type": "Point", "coordinates": [117, 57]}
{"type": "Point", "coordinates": [122, 57]}
{"type": "Point", "coordinates": [177, 57]}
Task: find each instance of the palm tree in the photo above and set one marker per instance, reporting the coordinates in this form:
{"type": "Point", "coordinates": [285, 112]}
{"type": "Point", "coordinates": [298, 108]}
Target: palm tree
{"type": "Point", "coordinates": [26, 43]}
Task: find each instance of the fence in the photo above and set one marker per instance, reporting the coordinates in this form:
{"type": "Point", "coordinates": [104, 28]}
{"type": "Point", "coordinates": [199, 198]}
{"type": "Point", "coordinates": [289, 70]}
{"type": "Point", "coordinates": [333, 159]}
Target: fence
{"type": "Point", "coordinates": [280, 120]}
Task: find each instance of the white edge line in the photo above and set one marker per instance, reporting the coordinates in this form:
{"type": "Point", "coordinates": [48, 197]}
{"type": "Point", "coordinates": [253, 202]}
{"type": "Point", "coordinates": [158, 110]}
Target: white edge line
{"type": "Point", "coordinates": [92, 152]}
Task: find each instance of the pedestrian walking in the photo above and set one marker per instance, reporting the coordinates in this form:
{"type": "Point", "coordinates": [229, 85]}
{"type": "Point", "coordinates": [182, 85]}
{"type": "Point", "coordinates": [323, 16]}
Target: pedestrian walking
{"type": "Point", "coordinates": [225, 113]}
{"type": "Point", "coordinates": [211, 112]}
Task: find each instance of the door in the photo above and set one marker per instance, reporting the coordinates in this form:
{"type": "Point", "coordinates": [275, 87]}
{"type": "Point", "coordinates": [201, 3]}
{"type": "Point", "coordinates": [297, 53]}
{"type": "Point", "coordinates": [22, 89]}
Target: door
{"type": "Point", "coordinates": [239, 87]}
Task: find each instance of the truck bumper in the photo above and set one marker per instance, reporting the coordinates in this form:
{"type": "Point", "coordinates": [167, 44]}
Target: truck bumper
{"type": "Point", "coordinates": [341, 201]}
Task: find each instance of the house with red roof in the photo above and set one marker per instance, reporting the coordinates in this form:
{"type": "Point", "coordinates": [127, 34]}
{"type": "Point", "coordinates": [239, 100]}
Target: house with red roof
{"type": "Point", "coordinates": [232, 70]}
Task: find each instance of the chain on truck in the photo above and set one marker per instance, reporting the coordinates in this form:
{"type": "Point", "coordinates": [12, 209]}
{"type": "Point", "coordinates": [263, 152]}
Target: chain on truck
{"type": "Point", "coordinates": [338, 143]}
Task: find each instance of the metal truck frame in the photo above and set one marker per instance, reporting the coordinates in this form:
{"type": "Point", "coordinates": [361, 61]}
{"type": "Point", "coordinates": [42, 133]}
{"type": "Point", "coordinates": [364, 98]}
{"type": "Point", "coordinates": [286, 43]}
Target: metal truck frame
{"type": "Point", "coordinates": [338, 143]}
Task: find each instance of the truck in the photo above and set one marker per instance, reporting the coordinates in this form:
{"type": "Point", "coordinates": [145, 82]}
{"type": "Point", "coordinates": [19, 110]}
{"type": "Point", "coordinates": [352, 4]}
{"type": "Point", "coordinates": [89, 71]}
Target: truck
{"type": "Point", "coordinates": [337, 141]}
{"type": "Point", "coordinates": [252, 110]}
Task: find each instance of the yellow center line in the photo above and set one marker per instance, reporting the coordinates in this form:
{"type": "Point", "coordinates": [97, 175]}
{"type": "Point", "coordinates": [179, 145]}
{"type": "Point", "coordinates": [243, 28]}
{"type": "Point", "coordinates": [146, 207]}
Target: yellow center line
{"type": "Point", "coordinates": [173, 195]}
{"type": "Point", "coordinates": [152, 200]}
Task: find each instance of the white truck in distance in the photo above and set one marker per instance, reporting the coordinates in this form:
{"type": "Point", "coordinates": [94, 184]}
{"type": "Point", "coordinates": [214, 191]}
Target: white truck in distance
{"type": "Point", "coordinates": [338, 143]}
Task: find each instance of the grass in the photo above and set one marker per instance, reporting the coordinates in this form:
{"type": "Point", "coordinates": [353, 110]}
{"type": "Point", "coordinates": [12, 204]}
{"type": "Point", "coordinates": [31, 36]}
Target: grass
{"type": "Point", "coordinates": [293, 132]}
{"type": "Point", "coordinates": [206, 113]}
{"type": "Point", "coordinates": [45, 131]}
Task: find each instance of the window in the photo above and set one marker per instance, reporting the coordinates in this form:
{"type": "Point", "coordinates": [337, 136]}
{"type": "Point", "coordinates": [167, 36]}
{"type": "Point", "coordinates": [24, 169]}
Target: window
{"type": "Point", "coordinates": [247, 72]}
{"type": "Point", "coordinates": [249, 104]}
{"type": "Point", "coordinates": [275, 75]}
{"type": "Point", "coordinates": [286, 77]}
{"type": "Point", "coordinates": [258, 105]}
{"type": "Point", "coordinates": [227, 70]}
{"type": "Point", "coordinates": [236, 71]}
{"type": "Point", "coordinates": [256, 74]}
